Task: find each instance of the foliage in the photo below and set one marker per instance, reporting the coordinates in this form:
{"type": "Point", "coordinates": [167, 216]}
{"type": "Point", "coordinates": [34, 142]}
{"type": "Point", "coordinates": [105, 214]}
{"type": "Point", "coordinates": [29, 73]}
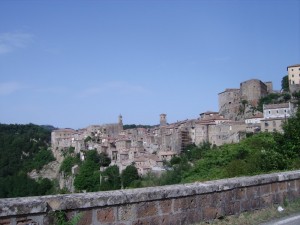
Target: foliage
{"type": "Point", "coordinates": [175, 160]}
{"type": "Point", "coordinates": [19, 144]}
{"type": "Point", "coordinates": [87, 139]}
{"type": "Point", "coordinates": [110, 179]}
{"type": "Point", "coordinates": [272, 98]}
{"type": "Point", "coordinates": [285, 83]}
{"type": "Point", "coordinates": [60, 218]}
{"type": "Point", "coordinates": [22, 149]}
{"type": "Point", "coordinates": [290, 140]}
{"type": "Point", "coordinates": [21, 185]}
{"type": "Point", "coordinates": [68, 163]}
{"type": "Point", "coordinates": [40, 159]}
{"type": "Point", "coordinates": [88, 176]}
{"type": "Point", "coordinates": [194, 152]}
{"type": "Point", "coordinates": [129, 175]}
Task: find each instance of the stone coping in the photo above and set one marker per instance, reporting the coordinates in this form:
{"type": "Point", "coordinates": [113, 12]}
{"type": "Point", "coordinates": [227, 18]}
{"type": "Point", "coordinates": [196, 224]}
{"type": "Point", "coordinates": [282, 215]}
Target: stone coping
{"type": "Point", "coordinates": [43, 204]}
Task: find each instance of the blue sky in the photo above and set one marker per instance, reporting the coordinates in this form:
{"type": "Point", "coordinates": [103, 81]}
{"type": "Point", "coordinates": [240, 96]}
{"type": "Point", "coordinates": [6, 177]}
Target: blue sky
{"type": "Point", "coordinates": [76, 63]}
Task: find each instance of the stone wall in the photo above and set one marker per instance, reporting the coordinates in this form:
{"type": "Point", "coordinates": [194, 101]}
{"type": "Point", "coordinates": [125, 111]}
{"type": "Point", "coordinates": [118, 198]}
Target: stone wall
{"type": "Point", "coordinates": [252, 90]}
{"type": "Point", "coordinates": [175, 204]}
{"type": "Point", "coordinates": [229, 103]}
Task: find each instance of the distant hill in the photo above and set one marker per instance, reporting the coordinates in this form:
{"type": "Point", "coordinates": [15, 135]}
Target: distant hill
{"type": "Point", "coordinates": [49, 127]}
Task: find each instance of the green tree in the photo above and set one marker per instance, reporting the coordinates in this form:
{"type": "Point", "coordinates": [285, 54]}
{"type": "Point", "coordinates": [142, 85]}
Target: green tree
{"type": "Point", "coordinates": [104, 160]}
{"type": "Point", "coordinates": [129, 174]}
{"type": "Point", "coordinates": [68, 163]}
{"type": "Point", "coordinates": [285, 83]}
{"type": "Point", "coordinates": [87, 177]}
{"type": "Point", "coordinates": [110, 179]}
{"type": "Point", "coordinates": [290, 140]}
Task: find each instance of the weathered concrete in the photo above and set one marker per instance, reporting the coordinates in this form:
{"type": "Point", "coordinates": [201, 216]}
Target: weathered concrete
{"type": "Point", "coordinates": [174, 204]}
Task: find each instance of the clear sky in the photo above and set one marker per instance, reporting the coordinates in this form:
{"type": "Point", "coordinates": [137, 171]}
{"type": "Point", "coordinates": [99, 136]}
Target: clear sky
{"type": "Point", "coordinates": [76, 63]}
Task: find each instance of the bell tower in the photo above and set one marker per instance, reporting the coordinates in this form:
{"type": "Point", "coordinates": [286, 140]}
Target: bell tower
{"type": "Point", "coordinates": [163, 119]}
{"type": "Point", "coordinates": [120, 121]}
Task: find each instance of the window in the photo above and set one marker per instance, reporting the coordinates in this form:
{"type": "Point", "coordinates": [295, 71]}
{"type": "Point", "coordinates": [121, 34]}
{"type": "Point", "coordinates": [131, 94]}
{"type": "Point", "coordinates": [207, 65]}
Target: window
{"type": "Point", "coordinates": [266, 124]}
{"type": "Point", "coordinates": [292, 75]}
{"type": "Point", "coordinates": [269, 112]}
{"type": "Point", "coordinates": [292, 69]}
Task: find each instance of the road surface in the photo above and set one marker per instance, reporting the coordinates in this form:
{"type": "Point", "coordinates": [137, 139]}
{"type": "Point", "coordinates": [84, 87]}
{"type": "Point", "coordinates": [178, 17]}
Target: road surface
{"type": "Point", "coordinates": [290, 220]}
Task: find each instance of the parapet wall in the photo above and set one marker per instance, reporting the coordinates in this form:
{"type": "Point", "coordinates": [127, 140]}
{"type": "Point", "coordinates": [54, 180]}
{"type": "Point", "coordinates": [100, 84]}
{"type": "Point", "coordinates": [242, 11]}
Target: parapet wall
{"type": "Point", "coordinates": [174, 204]}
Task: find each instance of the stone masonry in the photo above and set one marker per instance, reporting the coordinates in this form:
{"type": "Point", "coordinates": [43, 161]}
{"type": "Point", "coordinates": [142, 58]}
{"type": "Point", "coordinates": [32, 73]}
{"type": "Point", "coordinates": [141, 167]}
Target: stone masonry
{"type": "Point", "coordinates": [172, 205]}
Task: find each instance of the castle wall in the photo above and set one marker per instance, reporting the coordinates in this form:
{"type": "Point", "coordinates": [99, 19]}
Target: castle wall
{"type": "Point", "coordinates": [229, 103]}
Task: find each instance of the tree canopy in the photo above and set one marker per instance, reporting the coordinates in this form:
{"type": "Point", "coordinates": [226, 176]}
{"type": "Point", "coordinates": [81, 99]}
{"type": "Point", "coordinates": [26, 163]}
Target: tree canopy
{"type": "Point", "coordinates": [22, 149]}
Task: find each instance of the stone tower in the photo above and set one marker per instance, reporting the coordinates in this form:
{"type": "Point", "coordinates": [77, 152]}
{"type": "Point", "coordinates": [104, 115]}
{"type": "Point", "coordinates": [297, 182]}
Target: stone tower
{"type": "Point", "coordinates": [163, 119]}
{"type": "Point", "coordinates": [120, 121]}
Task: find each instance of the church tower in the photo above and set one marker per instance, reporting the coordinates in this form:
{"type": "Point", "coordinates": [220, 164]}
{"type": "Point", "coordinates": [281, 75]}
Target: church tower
{"type": "Point", "coordinates": [163, 119]}
{"type": "Point", "coordinates": [120, 122]}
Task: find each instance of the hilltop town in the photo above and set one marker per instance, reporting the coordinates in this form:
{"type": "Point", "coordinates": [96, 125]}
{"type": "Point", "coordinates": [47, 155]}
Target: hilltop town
{"type": "Point", "coordinates": [148, 148]}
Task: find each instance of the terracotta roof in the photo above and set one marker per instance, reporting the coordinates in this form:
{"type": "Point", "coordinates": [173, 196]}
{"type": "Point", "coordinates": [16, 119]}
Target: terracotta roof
{"type": "Point", "coordinates": [255, 117]}
{"type": "Point", "coordinates": [296, 65]}
{"type": "Point", "coordinates": [271, 119]}
{"type": "Point", "coordinates": [209, 112]}
{"type": "Point", "coordinates": [276, 106]}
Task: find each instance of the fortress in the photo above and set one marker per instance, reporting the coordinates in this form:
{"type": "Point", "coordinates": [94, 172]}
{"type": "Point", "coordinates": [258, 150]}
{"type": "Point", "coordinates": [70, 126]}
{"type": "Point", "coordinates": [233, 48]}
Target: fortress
{"type": "Point", "coordinates": [237, 104]}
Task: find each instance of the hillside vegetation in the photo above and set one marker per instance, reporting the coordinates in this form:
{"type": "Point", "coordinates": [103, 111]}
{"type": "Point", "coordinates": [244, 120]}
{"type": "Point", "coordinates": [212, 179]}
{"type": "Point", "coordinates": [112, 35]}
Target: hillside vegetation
{"type": "Point", "coordinates": [22, 149]}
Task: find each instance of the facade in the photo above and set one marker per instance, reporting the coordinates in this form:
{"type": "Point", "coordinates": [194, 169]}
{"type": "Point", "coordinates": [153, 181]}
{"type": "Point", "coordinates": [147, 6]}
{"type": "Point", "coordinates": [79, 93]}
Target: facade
{"type": "Point", "coordinates": [275, 115]}
{"type": "Point", "coordinates": [215, 129]}
{"type": "Point", "coordinates": [294, 77]}
{"type": "Point", "coordinates": [253, 123]}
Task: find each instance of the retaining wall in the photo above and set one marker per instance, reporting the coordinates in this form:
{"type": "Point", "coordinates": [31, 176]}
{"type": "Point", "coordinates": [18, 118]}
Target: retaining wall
{"type": "Point", "coordinates": [174, 204]}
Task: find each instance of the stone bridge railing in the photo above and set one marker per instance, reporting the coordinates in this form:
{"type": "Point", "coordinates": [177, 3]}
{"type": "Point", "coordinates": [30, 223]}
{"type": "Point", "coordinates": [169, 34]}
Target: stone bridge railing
{"type": "Point", "coordinates": [174, 204]}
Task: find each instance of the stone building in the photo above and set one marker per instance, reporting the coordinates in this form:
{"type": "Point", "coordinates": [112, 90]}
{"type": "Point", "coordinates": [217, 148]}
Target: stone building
{"type": "Point", "coordinates": [215, 129]}
{"type": "Point", "coordinates": [61, 140]}
{"type": "Point", "coordinates": [275, 115]}
{"type": "Point", "coordinates": [253, 123]}
{"type": "Point", "coordinates": [294, 77]}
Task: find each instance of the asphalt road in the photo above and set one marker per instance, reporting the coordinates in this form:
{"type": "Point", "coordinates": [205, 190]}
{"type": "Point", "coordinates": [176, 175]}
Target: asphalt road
{"type": "Point", "coordinates": [290, 220]}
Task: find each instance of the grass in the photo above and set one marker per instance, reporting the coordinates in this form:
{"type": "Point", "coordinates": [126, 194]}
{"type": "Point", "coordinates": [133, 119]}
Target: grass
{"type": "Point", "coordinates": [259, 216]}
